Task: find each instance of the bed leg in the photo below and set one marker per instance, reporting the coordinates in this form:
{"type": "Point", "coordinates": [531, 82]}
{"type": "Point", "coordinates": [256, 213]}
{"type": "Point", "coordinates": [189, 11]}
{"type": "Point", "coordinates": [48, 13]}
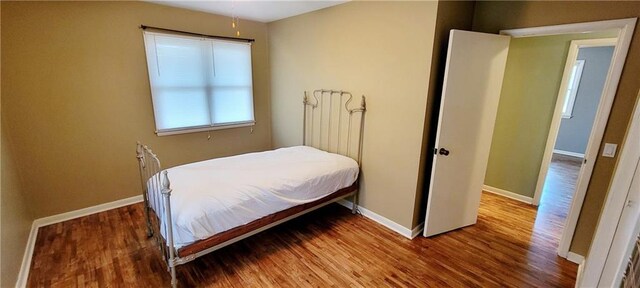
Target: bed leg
{"type": "Point", "coordinates": [354, 207]}
{"type": "Point", "coordinates": [149, 229]}
{"type": "Point", "coordinates": [174, 280]}
{"type": "Point", "coordinates": [146, 216]}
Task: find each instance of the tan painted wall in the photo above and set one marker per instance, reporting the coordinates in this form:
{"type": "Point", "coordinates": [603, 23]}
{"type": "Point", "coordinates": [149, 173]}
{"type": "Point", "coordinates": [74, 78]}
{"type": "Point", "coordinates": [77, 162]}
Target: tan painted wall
{"type": "Point", "coordinates": [16, 219]}
{"type": "Point", "coordinates": [379, 49]}
{"type": "Point", "coordinates": [527, 102]}
{"type": "Point", "coordinates": [451, 15]}
{"type": "Point", "coordinates": [75, 98]}
{"type": "Point", "coordinates": [494, 16]}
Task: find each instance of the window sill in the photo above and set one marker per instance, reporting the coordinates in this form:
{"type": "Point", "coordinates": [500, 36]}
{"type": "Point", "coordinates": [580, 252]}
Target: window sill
{"type": "Point", "coordinates": [177, 131]}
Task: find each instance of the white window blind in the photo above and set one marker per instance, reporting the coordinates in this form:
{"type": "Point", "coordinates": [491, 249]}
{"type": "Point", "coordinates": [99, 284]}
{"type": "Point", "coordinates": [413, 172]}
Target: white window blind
{"type": "Point", "coordinates": [199, 84]}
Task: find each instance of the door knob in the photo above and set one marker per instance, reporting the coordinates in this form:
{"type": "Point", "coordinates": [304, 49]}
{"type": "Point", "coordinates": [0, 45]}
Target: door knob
{"type": "Point", "coordinates": [443, 151]}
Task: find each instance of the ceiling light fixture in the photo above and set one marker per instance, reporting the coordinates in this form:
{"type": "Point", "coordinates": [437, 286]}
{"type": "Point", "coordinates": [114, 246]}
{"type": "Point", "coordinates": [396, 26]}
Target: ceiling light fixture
{"type": "Point", "coordinates": [235, 20]}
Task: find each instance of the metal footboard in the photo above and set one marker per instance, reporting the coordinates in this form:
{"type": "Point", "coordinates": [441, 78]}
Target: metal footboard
{"type": "Point", "coordinates": [156, 193]}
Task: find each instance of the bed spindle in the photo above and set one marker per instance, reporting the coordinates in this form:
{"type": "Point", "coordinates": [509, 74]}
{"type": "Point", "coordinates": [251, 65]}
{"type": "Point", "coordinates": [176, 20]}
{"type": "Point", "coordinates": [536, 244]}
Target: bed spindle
{"type": "Point", "coordinates": [166, 193]}
{"type": "Point", "coordinates": [145, 197]}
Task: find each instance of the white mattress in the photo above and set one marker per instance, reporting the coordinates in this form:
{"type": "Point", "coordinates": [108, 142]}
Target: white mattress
{"type": "Point", "coordinates": [216, 195]}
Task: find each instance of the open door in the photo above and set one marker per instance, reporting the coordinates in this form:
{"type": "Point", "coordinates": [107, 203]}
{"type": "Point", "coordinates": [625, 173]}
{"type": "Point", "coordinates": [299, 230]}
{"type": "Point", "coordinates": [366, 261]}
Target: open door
{"type": "Point", "coordinates": [471, 90]}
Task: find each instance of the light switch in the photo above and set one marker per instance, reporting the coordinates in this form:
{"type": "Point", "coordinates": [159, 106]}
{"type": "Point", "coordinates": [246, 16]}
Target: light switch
{"type": "Point", "coordinates": [609, 150]}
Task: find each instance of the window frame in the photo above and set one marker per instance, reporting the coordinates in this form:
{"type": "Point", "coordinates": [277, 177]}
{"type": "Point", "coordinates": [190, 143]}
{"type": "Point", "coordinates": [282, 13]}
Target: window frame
{"type": "Point", "coordinates": [198, 128]}
{"type": "Point", "coordinates": [570, 95]}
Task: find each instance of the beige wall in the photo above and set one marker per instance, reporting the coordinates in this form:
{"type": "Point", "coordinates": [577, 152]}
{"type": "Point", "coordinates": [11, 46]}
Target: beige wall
{"type": "Point", "coordinates": [527, 102]}
{"type": "Point", "coordinates": [16, 219]}
{"type": "Point", "coordinates": [380, 49]}
{"type": "Point", "coordinates": [493, 16]}
{"type": "Point", "coordinates": [75, 98]}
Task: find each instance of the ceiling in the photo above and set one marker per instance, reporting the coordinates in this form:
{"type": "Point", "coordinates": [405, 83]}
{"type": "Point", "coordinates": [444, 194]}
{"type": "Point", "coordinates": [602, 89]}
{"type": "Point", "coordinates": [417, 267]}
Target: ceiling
{"type": "Point", "coordinates": [256, 10]}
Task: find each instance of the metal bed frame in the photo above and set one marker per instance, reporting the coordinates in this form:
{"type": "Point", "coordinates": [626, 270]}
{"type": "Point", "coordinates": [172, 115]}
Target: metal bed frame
{"type": "Point", "coordinates": [156, 186]}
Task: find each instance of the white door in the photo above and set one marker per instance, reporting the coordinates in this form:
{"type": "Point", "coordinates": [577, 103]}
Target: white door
{"type": "Point", "coordinates": [625, 236]}
{"type": "Point", "coordinates": [471, 90]}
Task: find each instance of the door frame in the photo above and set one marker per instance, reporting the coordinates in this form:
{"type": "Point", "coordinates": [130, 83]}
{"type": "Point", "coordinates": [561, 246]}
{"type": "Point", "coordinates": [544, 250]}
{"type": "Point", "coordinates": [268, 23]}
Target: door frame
{"type": "Point", "coordinates": [580, 188]}
{"type": "Point", "coordinates": [594, 268]}
{"type": "Point", "coordinates": [625, 28]}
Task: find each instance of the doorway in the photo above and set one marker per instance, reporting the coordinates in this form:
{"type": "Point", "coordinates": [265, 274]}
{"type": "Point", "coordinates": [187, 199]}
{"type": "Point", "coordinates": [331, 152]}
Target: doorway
{"type": "Point", "coordinates": [447, 152]}
{"type": "Point", "coordinates": [585, 74]}
{"type": "Point", "coordinates": [514, 177]}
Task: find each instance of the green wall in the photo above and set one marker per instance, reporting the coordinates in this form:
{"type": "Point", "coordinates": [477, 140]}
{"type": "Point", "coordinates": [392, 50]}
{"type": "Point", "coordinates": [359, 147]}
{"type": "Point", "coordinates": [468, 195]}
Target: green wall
{"type": "Point", "coordinates": [529, 92]}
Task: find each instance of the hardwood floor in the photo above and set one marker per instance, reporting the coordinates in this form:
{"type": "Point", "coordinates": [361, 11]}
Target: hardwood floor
{"type": "Point", "coordinates": [560, 185]}
{"type": "Point", "coordinates": [329, 247]}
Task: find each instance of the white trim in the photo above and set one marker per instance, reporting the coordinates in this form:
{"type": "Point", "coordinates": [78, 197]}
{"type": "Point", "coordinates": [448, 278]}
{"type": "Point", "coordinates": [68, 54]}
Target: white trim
{"type": "Point", "coordinates": [417, 230]}
{"type": "Point", "coordinates": [576, 74]}
{"type": "Point", "coordinates": [614, 204]}
{"type": "Point", "coordinates": [568, 153]}
{"type": "Point", "coordinates": [626, 28]}
{"type": "Point", "coordinates": [569, 28]}
{"type": "Point", "coordinates": [404, 231]}
{"type": "Point", "coordinates": [23, 275]}
{"type": "Point", "coordinates": [575, 258]}
{"type": "Point", "coordinates": [176, 131]}
{"type": "Point", "coordinates": [508, 194]}
{"type": "Point", "coordinates": [86, 211]}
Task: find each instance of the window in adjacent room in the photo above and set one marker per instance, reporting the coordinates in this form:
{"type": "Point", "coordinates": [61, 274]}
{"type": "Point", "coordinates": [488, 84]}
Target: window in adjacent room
{"type": "Point", "coordinates": [199, 84]}
{"type": "Point", "coordinates": [572, 89]}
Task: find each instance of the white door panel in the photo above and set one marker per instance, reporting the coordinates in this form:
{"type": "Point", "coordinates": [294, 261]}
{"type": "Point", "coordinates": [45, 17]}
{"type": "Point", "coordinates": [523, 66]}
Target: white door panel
{"type": "Point", "coordinates": [625, 236]}
{"type": "Point", "coordinates": [471, 90]}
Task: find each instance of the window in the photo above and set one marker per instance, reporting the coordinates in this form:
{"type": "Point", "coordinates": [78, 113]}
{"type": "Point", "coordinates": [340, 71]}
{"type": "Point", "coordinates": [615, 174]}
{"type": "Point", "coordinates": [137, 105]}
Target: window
{"type": "Point", "coordinates": [572, 89]}
{"type": "Point", "coordinates": [199, 84]}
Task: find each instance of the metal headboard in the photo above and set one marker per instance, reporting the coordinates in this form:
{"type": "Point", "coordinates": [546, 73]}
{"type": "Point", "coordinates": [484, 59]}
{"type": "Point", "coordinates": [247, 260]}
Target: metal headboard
{"type": "Point", "coordinates": [322, 130]}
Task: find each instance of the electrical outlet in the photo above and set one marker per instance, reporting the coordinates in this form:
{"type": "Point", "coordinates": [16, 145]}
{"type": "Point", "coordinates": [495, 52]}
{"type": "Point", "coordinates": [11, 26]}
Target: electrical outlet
{"type": "Point", "coordinates": [609, 150]}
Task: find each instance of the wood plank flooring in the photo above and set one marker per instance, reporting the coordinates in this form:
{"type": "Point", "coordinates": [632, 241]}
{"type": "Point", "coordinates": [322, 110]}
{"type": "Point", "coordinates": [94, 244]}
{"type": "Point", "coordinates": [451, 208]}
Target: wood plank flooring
{"type": "Point", "coordinates": [560, 185]}
{"type": "Point", "coordinates": [327, 248]}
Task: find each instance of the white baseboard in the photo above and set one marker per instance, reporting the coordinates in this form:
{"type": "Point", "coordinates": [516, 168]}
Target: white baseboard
{"type": "Point", "coordinates": [508, 194]}
{"type": "Point", "coordinates": [417, 231]}
{"type": "Point", "coordinates": [404, 231]}
{"type": "Point", "coordinates": [23, 275]}
{"type": "Point", "coordinates": [87, 211]}
{"type": "Point", "coordinates": [568, 153]}
{"type": "Point", "coordinates": [579, 274]}
{"type": "Point", "coordinates": [575, 258]}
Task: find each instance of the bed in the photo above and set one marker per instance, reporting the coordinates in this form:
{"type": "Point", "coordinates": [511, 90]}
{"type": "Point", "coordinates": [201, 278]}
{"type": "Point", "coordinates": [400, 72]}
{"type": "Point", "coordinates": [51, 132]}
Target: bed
{"type": "Point", "coordinates": [197, 208]}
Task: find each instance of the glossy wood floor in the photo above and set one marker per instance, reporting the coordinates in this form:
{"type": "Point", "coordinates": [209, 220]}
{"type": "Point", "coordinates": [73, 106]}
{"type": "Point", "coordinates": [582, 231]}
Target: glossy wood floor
{"type": "Point", "coordinates": [560, 185]}
{"type": "Point", "coordinates": [329, 247]}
